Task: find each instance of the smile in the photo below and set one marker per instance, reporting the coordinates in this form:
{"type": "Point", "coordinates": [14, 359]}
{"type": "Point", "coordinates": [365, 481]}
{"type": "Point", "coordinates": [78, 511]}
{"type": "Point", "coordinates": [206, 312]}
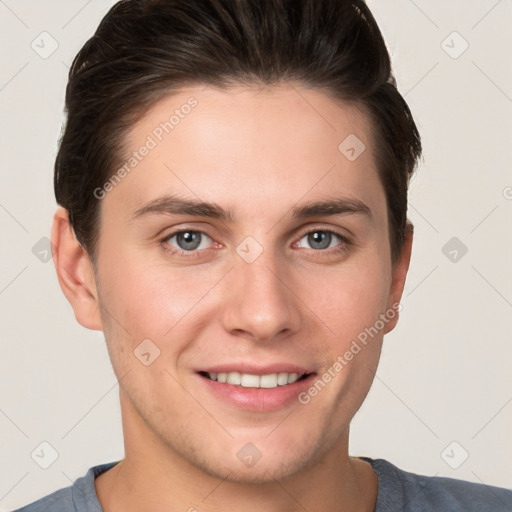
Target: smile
{"type": "Point", "coordinates": [247, 380]}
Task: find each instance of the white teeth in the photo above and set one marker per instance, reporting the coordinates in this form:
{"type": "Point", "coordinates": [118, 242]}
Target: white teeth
{"type": "Point", "coordinates": [268, 381]}
{"type": "Point", "coordinates": [292, 377]}
{"type": "Point", "coordinates": [247, 380]}
{"type": "Point", "coordinates": [282, 379]}
{"type": "Point", "coordinates": [234, 378]}
{"type": "Point", "coordinates": [250, 381]}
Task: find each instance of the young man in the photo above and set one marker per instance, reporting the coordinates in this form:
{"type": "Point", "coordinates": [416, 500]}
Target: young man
{"type": "Point", "coordinates": [233, 188]}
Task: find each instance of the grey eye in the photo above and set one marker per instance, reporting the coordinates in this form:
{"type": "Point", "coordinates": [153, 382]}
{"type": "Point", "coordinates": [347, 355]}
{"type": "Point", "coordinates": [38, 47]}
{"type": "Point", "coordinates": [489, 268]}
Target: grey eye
{"type": "Point", "coordinates": [319, 239]}
{"type": "Point", "coordinates": [322, 239]}
{"type": "Point", "coordinates": [188, 240]}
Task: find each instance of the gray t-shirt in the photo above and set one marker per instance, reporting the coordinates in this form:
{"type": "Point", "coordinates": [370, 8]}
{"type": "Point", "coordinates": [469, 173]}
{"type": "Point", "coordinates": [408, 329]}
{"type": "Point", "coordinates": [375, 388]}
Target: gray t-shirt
{"type": "Point", "coordinates": [399, 491]}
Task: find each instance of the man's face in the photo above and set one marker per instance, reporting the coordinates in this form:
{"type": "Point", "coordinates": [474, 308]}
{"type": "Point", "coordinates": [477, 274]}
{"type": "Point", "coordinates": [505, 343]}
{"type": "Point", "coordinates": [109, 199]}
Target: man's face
{"type": "Point", "coordinates": [261, 293]}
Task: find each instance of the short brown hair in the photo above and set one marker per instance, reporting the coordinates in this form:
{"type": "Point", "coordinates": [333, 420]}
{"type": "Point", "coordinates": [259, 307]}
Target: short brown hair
{"type": "Point", "coordinates": [145, 49]}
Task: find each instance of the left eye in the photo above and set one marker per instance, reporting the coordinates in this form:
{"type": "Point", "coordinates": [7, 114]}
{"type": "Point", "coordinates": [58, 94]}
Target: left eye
{"type": "Point", "coordinates": [188, 240]}
{"type": "Point", "coordinates": [322, 239]}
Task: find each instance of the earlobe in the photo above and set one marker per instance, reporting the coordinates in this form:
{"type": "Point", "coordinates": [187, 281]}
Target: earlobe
{"type": "Point", "coordinates": [75, 272]}
{"type": "Point", "coordinates": [399, 273]}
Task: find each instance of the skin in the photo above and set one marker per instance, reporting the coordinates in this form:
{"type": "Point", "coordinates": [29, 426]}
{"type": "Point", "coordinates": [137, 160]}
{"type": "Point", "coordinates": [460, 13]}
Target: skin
{"type": "Point", "coordinates": [259, 153]}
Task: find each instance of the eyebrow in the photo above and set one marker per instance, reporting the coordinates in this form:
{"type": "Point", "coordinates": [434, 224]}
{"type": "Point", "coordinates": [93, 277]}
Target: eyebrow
{"type": "Point", "coordinates": [174, 205]}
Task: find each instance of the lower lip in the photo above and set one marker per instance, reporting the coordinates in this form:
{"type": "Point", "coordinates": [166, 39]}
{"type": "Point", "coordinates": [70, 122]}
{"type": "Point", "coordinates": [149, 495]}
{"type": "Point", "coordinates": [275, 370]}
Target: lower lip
{"type": "Point", "coordinates": [258, 399]}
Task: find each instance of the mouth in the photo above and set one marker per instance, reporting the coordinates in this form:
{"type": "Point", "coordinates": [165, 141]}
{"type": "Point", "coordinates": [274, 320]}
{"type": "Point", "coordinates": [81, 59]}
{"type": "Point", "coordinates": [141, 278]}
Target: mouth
{"type": "Point", "coordinates": [247, 380]}
{"type": "Point", "coordinates": [255, 387]}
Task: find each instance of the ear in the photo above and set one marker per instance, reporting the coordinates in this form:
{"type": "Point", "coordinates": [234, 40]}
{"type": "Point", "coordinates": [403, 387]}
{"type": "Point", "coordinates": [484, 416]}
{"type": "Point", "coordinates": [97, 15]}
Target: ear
{"type": "Point", "coordinates": [75, 272]}
{"type": "Point", "coordinates": [398, 275]}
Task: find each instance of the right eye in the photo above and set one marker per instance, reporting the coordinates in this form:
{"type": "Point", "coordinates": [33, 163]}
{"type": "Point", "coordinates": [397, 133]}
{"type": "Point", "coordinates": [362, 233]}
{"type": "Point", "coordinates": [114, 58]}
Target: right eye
{"type": "Point", "coordinates": [186, 240]}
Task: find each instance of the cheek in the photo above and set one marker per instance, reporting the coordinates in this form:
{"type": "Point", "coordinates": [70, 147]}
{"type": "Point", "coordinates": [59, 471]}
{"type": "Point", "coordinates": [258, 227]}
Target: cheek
{"type": "Point", "coordinates": [153, 301]}
{"type": "Point", "coordinates": [350, 298]}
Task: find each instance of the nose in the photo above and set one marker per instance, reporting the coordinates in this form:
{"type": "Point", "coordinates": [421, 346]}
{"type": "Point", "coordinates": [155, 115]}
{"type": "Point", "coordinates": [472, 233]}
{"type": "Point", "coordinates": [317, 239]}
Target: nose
{"type": "Point", "coordinates": [260, 303]}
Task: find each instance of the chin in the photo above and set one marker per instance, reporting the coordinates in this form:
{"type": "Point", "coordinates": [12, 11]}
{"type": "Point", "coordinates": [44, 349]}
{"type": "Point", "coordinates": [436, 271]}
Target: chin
{"type": "Point", "coordinates": [262, 472]}
{"type": "Point", "coordinates": [247, 463]}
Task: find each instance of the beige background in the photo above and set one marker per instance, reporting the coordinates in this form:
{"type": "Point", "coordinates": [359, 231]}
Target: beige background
{"type": "Point", "coordinates": [445, 371]}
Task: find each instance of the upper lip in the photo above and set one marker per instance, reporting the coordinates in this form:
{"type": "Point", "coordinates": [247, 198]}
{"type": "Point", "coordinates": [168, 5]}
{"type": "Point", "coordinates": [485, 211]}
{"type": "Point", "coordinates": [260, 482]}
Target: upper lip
{"type": "Point", "coordinates": [253, 369]}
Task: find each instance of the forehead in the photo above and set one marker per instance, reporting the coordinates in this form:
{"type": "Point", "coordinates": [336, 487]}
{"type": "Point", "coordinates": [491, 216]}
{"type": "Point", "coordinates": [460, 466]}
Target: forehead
{"type": "Point", "coordinates": [254, 147]}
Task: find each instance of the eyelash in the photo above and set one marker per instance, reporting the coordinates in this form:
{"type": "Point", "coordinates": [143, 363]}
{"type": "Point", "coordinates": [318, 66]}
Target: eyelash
{"type": "Point", "coordinates": [345, 242]}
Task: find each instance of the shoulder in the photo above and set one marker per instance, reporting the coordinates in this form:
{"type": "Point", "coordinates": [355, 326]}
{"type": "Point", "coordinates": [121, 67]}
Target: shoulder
{"type": "Point", "coordinates": [79, 497]}
{"type": "Point", "coordinates": [409, 492]}
{"type": "Point", "coordinates": [59, 501]}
